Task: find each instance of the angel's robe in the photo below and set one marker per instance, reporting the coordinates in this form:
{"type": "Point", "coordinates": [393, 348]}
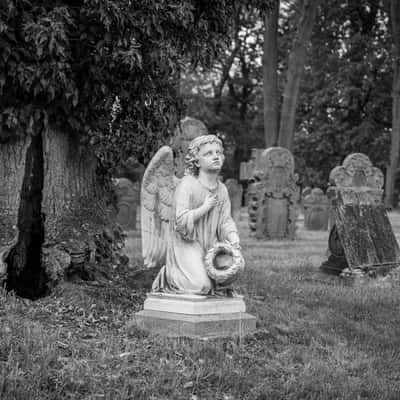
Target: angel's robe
{"type": "Point", "coordinates": [189, 241]}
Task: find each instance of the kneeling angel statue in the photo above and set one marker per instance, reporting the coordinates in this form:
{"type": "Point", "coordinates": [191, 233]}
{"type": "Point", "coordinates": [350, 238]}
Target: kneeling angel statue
{"type": "Point", "coordinates": [185, 221]}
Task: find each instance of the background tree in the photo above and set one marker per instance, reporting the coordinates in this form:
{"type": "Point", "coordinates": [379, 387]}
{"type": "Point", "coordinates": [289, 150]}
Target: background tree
{"type": "Point", "coordinates": [65, 67]}
{"type": "Point", "coordinates": [392, 169]}
{"type": "Point", "coordinates": [295, 72]}
{"type": "Point", "coordinates": [270, 76]}
{"type": "Point", "coordinates": [344, 105]}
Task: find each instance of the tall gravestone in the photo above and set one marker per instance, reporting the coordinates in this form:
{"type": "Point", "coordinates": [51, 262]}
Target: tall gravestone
{"type": "Point", "coordinates": [316, 210]}
{"type": "Point", "coordinates": [273, 198]}
{"type": "Point", "coordinates": [361, 239]}
{"type": "Point", "coordinates": [235, 190]}
{"type": "Point", "coordinates": [128, 197]}
{"type": "Point", "coordinates": [127, 188]}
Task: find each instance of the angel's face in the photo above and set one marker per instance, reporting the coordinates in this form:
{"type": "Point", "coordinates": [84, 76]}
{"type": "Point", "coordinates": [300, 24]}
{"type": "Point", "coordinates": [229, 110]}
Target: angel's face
{"type": "Point", "coordinates": [210, 157]}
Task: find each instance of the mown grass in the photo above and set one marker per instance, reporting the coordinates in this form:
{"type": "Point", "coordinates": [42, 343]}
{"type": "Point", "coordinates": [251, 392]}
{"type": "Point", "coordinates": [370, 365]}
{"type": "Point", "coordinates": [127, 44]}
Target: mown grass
{"type": "Point", "coordinates": [317, 337]}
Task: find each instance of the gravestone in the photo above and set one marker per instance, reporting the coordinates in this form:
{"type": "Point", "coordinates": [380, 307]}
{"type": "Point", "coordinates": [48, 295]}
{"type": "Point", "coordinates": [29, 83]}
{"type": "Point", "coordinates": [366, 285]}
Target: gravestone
{"type": "Point", "coordinates": [187, 129]}
{"type": "Point", "coordinates": [130, 169]}
{"type": "Point", "coordinates": [244, 171]}
{"type": "Point", "coordinates": [250, 171]}
{"type": "Point", "coordinates": [235, 191]}
{"type": "Point", "coordinates": [316, 210]}
{"type": "Point", "coordinates": [361, 239]}
{"type": "Point", "coordinates": [273, 198]}
{"type": "Point", "coordinates": [128, 198]}
{"type": "Point", "coordinates": [128, 193]}
{"type": "Point", "coordinates": [305, 192]}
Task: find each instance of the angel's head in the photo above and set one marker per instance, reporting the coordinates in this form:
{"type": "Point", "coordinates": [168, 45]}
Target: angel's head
{"type": "Point", "coordinates": [206, 152]}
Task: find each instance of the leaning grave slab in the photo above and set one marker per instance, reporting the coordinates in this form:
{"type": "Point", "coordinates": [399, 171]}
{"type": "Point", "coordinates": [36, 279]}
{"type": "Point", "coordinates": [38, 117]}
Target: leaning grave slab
{"type": "Point", "coordinates": [361, 239]}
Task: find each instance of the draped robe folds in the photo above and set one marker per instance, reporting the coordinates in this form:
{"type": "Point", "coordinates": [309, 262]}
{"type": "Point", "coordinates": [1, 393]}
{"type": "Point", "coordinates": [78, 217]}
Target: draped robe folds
{"type": "Point", "coordinates": [189, 241]}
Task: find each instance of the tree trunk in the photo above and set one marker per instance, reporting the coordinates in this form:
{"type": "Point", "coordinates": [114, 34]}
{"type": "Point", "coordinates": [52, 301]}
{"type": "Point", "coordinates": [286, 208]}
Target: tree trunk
{"type": "Point", "coordinates": [13, 157]}
{"type": "Point", "coordinates": [270, 66]}
{"type": "Point", "coordinates": [226, 67]}
{"type": "Point", "coordinates": [295, 72]}
{"type": "Point", "coordinates": [55, 199]}
{"type": "Point", "coordinates": [395, 142]}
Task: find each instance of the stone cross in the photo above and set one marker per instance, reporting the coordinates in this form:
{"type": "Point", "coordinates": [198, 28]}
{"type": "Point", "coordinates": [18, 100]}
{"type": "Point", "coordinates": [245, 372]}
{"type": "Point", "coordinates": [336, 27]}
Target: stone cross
{"type": "Point", "coordinates": [235, 190]}
{"type": "Point", "coordinates": [361, 239]}
{"type": "Point", "coordinates": [273, 197]}
{"type": "Point", "coordinates": [316, 210]}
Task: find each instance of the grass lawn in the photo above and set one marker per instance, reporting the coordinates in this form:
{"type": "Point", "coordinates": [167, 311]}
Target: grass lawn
{"type": "Point", "coordinates": [318, 337]}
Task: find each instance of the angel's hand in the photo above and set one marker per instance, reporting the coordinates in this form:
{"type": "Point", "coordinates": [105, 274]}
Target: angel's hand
{"type": "Point", "coordinates": [233, 240]}
{"type": "Point", "coordinates": [210, 201]}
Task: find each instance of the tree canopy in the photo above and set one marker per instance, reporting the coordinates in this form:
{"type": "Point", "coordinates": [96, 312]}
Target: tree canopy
{"type": "Point", "coordinates": [344, 101]}
{"type": "Point", "coordinates": [73, 63]}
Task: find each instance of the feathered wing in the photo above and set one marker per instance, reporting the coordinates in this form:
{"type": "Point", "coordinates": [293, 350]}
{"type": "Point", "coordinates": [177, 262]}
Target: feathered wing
{"type": "Point", "coordinates": [158, 186]}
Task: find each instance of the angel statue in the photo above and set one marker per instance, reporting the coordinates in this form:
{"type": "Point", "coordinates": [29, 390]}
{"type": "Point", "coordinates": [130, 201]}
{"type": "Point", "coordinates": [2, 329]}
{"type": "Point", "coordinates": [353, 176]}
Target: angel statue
{"type": "Point", "coordinates": [184, 221]}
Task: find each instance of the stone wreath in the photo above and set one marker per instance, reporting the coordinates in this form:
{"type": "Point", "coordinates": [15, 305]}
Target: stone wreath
{"type": "Point", "coordinates": [224, 263]}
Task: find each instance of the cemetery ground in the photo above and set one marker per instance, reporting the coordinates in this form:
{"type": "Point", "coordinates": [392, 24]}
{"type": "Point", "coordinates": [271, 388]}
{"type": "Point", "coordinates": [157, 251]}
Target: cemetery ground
{"type": "Point", "coordinates": [318, 337]}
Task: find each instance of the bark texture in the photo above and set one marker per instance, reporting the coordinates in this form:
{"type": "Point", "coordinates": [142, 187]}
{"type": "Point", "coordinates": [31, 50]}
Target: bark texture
{"type": "Point", "coordinates": [295, 72]}
{"type": "Point", "coordinates": [25, 274]}
{"type": "Point", "coordinates": [53, 212]}
{"type": "Point", "coordinates": [12, 171]}
{"type": "Point", "coordinates": [270, 66]}
{"type": "Point", "coordinates": [395, 141]}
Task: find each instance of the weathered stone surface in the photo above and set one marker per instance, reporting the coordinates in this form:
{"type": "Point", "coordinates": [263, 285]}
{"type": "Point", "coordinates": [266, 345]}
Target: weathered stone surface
{"type": "Point", "coordinates": [273, 196]}
{"type": "Point", "coordinates": [316, 210]}
{"type": "Point", "coordinates": [235, 190]}
{"type": "Point", "coordinates": [361, 232]}
{"type": "Point", "coordinates": [196, 326]}
{"type": "Point", "coordinates": [198, 317]}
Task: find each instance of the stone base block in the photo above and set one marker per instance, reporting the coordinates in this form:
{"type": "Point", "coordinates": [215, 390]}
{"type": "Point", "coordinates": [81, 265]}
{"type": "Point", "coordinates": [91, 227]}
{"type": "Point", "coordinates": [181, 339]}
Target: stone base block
{"type": "Point", "coordinates": [193, 304]}
{"type": "Point", "coordinates": [194, 316]}
{"type": "Point", "coordinates": [195, 326]}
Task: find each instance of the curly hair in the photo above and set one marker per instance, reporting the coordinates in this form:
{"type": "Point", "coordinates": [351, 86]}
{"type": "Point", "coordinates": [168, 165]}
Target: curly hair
{"type": "Point", "coordinates": [191, 158]}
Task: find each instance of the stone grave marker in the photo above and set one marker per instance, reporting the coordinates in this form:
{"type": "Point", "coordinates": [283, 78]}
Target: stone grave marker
{"type": "Point", "coordinates": [316, 210]}
{"type": "Point", "coordinates": [250, 170]}
{"type": "Point", "coordinates": [235, 190]}
{"type": "Point", "coordinates": [187, 129]}
{"type": "Point", "coordinates": [361, 240]}
{"type": "Point", "coordinates": [128, 198]}
{"type": "Point", "coordinates": [273, 198]}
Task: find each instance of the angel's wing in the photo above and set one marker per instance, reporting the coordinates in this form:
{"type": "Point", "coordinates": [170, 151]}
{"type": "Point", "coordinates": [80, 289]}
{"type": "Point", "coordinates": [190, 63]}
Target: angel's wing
{"type": "Point", "coordinates": [158, 186]}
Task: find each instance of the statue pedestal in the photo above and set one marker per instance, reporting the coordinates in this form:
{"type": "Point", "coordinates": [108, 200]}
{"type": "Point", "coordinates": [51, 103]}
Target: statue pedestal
{"type": "Point", "coordinates": [194, 316]}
